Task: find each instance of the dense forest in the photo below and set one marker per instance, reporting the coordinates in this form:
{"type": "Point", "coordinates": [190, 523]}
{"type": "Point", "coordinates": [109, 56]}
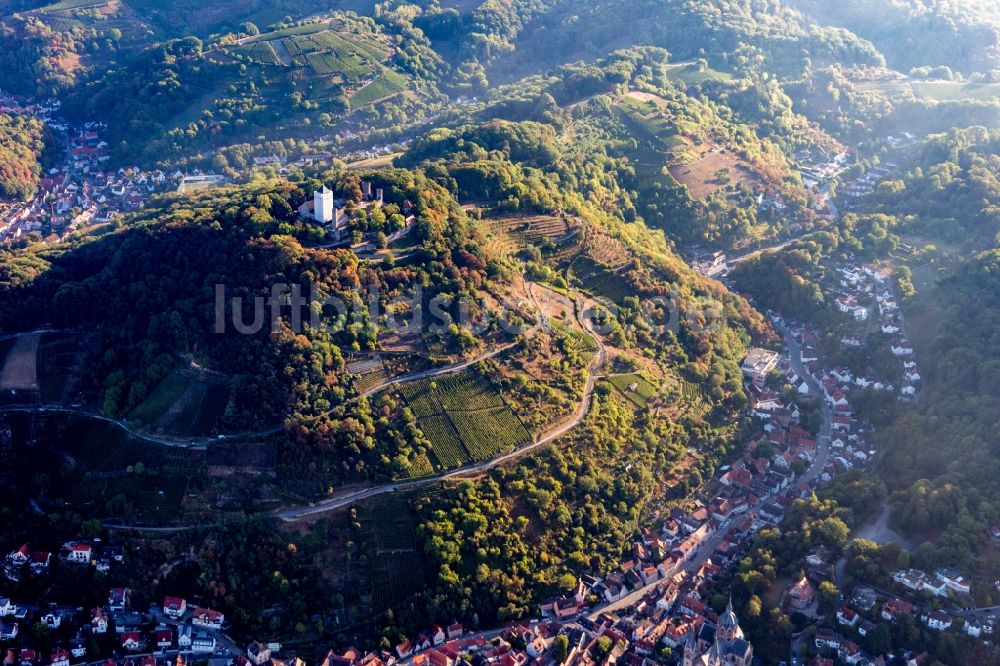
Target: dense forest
{"type": "Point", "coordinates": [25, 145]}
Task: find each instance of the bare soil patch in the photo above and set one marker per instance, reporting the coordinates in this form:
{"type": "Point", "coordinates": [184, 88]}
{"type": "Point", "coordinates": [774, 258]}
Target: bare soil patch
{"type": "Point", "coordinates": [702, 175]}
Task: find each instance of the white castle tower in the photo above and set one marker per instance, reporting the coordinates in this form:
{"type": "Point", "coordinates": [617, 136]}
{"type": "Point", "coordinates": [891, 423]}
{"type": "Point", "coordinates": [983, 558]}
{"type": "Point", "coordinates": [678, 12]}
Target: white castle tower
{"type": "Point", "coordinates": [323, 210]}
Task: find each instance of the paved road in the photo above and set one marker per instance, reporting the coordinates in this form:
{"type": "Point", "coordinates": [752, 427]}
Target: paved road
{"type": "Point", "coordinates": [80, 411]}
{"type": "Point", "coordinates": [816, 390]}
{"type": "Point", "coordinates": [202, 443]}
{"type": "Point", "coordinates": [593, 372]}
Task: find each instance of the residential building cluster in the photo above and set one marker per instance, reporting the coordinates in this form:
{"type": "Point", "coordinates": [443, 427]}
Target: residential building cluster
{"type": "Point", "coordinates": [866, 294]}
{"type": "Point", "coordinates": [80, 191]}
{"type": "Point", "coordinates": [174, 627]}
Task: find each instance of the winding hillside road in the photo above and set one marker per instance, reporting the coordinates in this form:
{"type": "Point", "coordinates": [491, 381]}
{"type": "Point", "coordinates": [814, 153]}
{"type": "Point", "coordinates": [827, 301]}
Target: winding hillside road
{"type": "Point", "coordinates": [292, 514]}
{"type": "Point", "coordinates": [593, 373]}
{"type": "Point", "coordinates": [202, 443]}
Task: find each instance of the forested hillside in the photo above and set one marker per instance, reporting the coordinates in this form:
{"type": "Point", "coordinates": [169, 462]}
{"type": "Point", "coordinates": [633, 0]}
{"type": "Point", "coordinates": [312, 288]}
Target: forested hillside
{"type": "Point", "coordinates": [964, 33]}
{"type": "Point", "coordinates": [24, 144]}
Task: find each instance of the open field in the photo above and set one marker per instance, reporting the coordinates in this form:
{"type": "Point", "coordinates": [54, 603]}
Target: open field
{"type": "Point", "coordinates": [634, 387]}
{"type": "Point", "coordinates": [373, 163]}
{"type": "Point", "coordinates": [690, 74]}
{"type": "Point", "coordinates": [712, 168]}
{"type": "Point", "coordinates": [20, 368]}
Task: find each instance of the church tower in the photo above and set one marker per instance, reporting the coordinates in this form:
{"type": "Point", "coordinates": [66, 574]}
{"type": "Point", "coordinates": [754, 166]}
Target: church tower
{"type": "Point", "coordinates": [729, 627]}
{"type": "Point", "coordinates": [690, 649]}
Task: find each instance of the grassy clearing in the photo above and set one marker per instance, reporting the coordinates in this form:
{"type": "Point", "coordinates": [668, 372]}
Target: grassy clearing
{"type": "Point", "coordinates": [691, 74]}
{"type": "Point", "coordinates": [389, 83]}
{"type": "Point", "coordinates": [182, 405]}
{"type": "Point", "coordinates": [635, 387]}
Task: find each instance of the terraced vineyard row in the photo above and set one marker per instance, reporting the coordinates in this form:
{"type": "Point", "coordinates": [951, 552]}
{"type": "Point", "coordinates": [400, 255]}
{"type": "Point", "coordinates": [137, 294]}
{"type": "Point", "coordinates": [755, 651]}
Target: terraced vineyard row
{"type": "Point", "coordinates": [578, 343]}
{"type": "Point", "coordinates": [387, 84]}
{"type": "Point", "coordinates": [370, 380]}
{"type": "Point", "coordinates": [464, 418]}
{"type": "Point", "coordinates": [445, 441]}
{"type": "Point", "coordinates": [490, 432]}
{"type": "Point", "coordinates": [466, 391]}
{"type": "Point", "coordinates": [511, 234]}
{"type": "Point", "coordinates": [422, 401]}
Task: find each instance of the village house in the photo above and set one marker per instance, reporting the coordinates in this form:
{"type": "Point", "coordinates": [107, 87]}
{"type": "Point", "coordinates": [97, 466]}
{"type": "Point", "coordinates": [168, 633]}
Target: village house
{"type": "Point", "coordinates": [202, 643]}
{"type": "Point", "coordinates": [174, 607]}
{"type": "Point", "coordinates": [131, 640]}
{"type": "Point", "coordinates": [99, 621]}
{"type": "Point", "coordinates": [802, 594]}
{"type": "Point", "coordinates": [893, 610]}
{"type": "Point", "coordinates": [163, 638]}
{"type": "Point", "coordinates": [8, 630]}
{"type": "Point", "coordinates": [40, 562]}
{"type": "Point", "coordinates": [206, 617]}
{"type": "Point", "coordinates": [954, 580]}
{"type": "Point", "coordinates": [938, 620]}
{"type": "Point", "coordinates": [918, 581]}
{"type": "Point", "coordinates": [59, 657]}
{"type": "Point", "coordinates": [80, 553]}
{"type": "Point", "coordinates": [847, 617]}
{"type": "Point", "coordinates": [758, 364]}
{"type": "Point", "coordinates": [19, 557]}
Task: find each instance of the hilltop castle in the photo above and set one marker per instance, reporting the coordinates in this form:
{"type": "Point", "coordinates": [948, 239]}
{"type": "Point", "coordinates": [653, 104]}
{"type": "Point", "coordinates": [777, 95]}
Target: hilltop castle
{"type": "Point", "coordinates": [728, 648]}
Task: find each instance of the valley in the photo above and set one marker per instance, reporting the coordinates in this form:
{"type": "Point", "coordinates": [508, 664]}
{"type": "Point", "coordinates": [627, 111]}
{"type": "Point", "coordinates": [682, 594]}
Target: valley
{"type": "Point", "coordinates": [504, 332]}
